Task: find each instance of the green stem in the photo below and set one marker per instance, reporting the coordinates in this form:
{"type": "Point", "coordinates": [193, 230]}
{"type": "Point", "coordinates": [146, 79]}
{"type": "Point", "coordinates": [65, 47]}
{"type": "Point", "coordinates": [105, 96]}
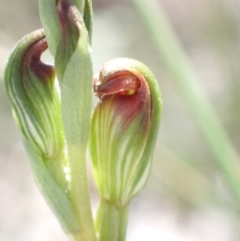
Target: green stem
{"type": "Point", "coordinates": [179, 66]}
{"type": "Point", "coordinates": [76, 110]}
{"type": "Point", "coordinates": [80, 193]}
{"type": "Point", "coordinates": [111, 222]}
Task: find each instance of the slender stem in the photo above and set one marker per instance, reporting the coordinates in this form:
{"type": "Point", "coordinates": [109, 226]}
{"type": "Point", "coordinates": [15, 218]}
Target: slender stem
{"type": "Point", "coordinates": [76, 109]}
{"type": "Point", "coordinates": [179, 66]}
{"type": "Point", "coordinates": [80, 193]}
{"type": "Point", "coordinates": [111, 222]}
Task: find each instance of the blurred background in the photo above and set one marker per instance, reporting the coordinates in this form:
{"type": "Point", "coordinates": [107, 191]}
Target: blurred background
{"type": "Point", "coordinates": [187, 196]}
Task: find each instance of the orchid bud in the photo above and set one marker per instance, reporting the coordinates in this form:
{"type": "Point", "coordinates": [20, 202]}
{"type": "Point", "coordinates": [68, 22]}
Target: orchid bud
{"type": "Point", "coordinates": [36, 103]}
{"type": "Point", "coordinates": [31, 88]}
{"type": "Point", "coordinates": [124, 128]}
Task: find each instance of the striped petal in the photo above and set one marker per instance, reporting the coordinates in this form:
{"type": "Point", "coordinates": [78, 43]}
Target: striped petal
{"type": "Point", "coordinates": [35, 101]}
{"type": "Point", "coordinates": [32, 90]}
{"type": "Point", "coordinates": [123, 128]}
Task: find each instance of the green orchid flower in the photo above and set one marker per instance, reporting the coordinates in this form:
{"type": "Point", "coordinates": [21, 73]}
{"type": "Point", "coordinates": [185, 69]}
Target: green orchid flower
{"type": "Point", "coordinates": [123, 133]}
{"type": "Point", "coordinates": [35, 100]}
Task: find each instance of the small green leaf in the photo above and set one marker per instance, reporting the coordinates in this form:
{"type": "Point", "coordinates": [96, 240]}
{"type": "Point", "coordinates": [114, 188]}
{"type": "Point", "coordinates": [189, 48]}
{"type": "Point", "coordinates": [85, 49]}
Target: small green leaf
{"type": "Point", "coordinates": [49, 18]}
{"type": "Point", "coordinates": [88, 17]}
{"type": "Point", "coordinates": [74, 70]}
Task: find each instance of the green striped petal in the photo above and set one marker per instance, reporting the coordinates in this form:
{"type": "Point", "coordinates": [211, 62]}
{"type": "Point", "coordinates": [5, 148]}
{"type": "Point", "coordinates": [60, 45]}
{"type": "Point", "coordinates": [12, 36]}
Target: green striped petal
{"type": "Point", "coordinates": [36, 104]}
{"type": "Point", "coordinates": [124, 128]}
{"type": "Point", "coordinates": [32, 90]}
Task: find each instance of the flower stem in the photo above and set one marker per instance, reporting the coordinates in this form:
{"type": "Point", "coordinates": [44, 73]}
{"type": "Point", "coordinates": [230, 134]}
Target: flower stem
{"type": "Point", "coordinates": [80, 193]}
{"type": "Point", "coordinates": [76, 109]}
{"type": "Point", "coordinates": [111, 222]}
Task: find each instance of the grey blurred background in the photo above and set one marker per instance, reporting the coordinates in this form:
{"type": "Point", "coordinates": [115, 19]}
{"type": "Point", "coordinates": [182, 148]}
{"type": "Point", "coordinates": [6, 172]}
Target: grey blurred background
{"type": "Point", "coordinates": [186, 197]}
